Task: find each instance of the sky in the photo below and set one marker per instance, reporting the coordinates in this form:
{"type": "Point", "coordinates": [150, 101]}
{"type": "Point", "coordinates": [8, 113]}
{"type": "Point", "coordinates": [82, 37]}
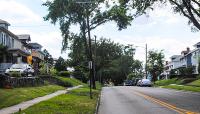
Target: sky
{"type": "Point", "coordinates": [160, 30]}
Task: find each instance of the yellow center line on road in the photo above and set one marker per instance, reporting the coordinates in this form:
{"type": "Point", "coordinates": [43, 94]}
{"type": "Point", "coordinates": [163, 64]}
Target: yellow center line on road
{"type": "Point", "coordinates": [172, 107]}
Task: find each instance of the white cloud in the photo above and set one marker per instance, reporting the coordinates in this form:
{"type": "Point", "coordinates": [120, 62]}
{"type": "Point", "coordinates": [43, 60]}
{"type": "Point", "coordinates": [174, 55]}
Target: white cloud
{"type": "Point", "coordinates": [165, 14]}
{"type": "Point", "coordinates": [170, 46]}
{"type": "Point", "coordinates": [17, 13]}
{"type": "Point", "coordinates": [141, 32]}
{"type": "Point", "coordinates": [46, 0]}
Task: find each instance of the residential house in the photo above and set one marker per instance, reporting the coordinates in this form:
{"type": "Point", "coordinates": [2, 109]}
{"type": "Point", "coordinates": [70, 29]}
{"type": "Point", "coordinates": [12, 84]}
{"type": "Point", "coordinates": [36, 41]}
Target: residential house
{"type": "Point", "coordinates": [186, 59]}
{"type": "Point", "coordinates": [17, 52]}
{"type": "Point", "coordinates": [193, 58]}
{"type": "Point", "coordinates": [37, 55]}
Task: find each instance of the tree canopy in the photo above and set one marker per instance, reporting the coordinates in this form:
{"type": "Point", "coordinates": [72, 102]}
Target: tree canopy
{"type": "Point", "coordinates": [188, 8]}
{"type": "Point", "coordinates": [155, 63]}
{"type": "Point", "coordinates": [60, 64]}
{"type": "Point", "coordinates": [71, 12]}
{"type": "Point", "coordinates": [113, 61]}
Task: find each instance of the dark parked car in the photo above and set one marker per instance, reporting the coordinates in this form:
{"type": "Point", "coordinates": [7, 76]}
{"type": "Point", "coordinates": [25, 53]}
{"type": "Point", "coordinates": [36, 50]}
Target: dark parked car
{"type": "Point", "coordinates": [128, 83]}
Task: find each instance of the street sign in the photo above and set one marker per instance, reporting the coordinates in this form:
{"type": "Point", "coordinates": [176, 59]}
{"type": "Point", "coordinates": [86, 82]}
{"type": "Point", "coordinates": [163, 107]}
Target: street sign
{"type": "Point", "coordinates": [90, 64]}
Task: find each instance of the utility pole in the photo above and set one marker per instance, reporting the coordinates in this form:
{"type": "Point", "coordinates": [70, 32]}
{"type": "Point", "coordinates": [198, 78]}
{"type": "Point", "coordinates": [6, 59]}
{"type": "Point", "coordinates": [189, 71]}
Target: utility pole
{"type": "Point", "coordinates": [95, 55]}
{"type": "Point", "coordinates": [90, 52]}
{"type": "Point", "coordinates": [90, 62]}
{"type": "Point", "coordinates": [146, 62]}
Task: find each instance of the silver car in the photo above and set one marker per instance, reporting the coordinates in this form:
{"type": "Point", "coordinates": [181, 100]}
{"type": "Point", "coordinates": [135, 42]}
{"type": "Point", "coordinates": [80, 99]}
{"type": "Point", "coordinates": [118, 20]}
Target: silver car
{"type": "Point", "coordinates": [23, 69]}
{"type": "Point", "coordinates": [144, 82]}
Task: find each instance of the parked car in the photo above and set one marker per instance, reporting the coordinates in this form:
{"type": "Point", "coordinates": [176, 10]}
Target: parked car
{"type": "Point", "coordinates": [135, 81]}
{"type": "Point", "coordinates": [23, 69]}
{"type": "Point", "coordinates": [128, 83]}
{"type": "Point", "coordinates": [144, 82]}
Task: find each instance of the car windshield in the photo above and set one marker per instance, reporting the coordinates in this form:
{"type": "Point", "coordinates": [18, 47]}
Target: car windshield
{"type": "Point", "coordinates": [18, 66]}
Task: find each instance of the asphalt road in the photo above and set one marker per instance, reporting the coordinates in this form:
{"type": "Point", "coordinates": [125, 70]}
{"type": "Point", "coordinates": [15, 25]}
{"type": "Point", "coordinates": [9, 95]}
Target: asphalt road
{"type": "Point", "coordinates": [147, 100]}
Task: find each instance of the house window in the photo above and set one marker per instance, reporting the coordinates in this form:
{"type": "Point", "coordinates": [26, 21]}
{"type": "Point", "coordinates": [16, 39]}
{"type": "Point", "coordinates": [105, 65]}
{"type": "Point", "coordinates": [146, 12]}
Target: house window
{"type": "Point", "coordinates": [4, 39]}
{"type": "Point", "coordinates": [12, 42]}
{"type": "Point", "coordinates": [1, 39]}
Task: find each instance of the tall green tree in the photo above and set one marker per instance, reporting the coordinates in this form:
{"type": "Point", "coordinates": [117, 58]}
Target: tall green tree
{"type": "Point", "coordinates": [114, 61]}
{"type": "Point", "coordinates": [78, 59]}
{"type": "Point", "coordinates": [155, 63]}
{"type": "Point", "coordinates": [60, 64]}
{"type": "Point", "coordinates": [48, 57]}
{"type": "Point", "coordinates": [188, 8]}
{"type": "Point", "coordinates": [87, 15]}
{"type": "Point", "coordinates": [137, 67]}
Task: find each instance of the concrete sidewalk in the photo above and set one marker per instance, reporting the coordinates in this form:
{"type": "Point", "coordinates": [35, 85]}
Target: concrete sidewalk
{"type": "Point", "coordinates": [26, 104]}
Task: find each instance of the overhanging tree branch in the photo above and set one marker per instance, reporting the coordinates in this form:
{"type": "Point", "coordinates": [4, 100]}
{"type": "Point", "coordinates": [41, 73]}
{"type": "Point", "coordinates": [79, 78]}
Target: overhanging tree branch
{"type": "Point", "coordinates": [193, 19]}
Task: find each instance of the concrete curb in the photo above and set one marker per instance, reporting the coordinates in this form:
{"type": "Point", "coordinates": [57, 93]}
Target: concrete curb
{"type": "Point", "coordinates": [98, 104]}
{"type": "Point", "coordinates": [26, 104]}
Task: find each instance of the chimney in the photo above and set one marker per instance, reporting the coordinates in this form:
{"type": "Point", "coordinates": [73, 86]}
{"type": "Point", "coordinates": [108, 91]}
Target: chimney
{"type": "Point", "coordinates": [188, 49]}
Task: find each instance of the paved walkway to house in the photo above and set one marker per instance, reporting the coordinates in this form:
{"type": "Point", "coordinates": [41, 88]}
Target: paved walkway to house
{"type": "Point", "coordinates": [26, 104]}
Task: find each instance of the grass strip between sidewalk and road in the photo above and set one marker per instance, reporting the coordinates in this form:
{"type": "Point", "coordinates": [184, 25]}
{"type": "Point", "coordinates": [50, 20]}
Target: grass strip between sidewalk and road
{"type": "Point", "coordinates": [179, 84]}
{"type": "Point", "coordinates": [9, 97]}
{"type": "Point", "coordinates": [74, 102]}
{"type": "Point", "coordinates": [183, 87]}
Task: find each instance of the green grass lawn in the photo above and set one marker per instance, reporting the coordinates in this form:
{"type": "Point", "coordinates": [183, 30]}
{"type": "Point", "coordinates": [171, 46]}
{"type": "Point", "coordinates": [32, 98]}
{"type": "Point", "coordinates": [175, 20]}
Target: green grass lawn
{"type": "Point", "coordinates": [167, 82]}
{"type": "Point", "coordinates": [195, 83]}
{"type": "Point", "coordinates": [75, 102]}
{"type": "Point", "coordinates": [185, 88]}
{"type": "Point", "coordinates": [72, 81]}
{"type": "Point", "coordinates": [9, 97]}
{"type": "Point", "coordinates": [180, 84]}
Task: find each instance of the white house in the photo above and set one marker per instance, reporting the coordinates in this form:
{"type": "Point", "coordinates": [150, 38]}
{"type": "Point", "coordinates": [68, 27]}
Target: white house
{"type": "Point", "coordinates": [193, 57]}
{"type": "Point", "coordinates": [186, 59]}
{"type": "Point", "coordinates": [16, 52]}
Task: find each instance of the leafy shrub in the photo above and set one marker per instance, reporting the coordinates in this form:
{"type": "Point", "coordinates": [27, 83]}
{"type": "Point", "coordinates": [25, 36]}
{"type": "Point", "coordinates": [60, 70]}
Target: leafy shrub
{"type": "Point", "coordinates": [15, 74]}
{"type": "Point", "coordinates": [43, 68]}
{"type": "Point", "coordinates": [65, 73]}
{"type": "Point", "coordinates": [198, 76]}
{"type": "Point", "coordinates": [187, 80]}
{"type": "Point", "coordinates": [173, 76]}
{"type": "Point", "coordinates": [53, 71]}
{"type": "Point", "coordinates": [131, 76]}
{"type": "Point", "coordinates": [173, 72]}
{"type": "Point", "coordinates": [186, 71]}
{"type": "Point", "coordinates": [79, 74]}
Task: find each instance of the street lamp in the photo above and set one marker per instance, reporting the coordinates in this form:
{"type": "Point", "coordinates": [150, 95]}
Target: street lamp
{"type": "Point", "coordinates": [146, 52]}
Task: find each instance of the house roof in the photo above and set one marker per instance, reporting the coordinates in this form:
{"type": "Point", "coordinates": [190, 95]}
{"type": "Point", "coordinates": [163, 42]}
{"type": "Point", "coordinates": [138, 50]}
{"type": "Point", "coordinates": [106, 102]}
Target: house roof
{"type": "Point", "coordinates": [192, 51]}
{"type": "Point", "coordinates": [24, 37]}
{"type": "Point", "coordinates": [197, 44]}
{"type": "Point", "coordinates": [35, 45]}
{"type": "Point", "coordinates": [8, 32]}
{"type": "Point", "coordinates": [4, 22]}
